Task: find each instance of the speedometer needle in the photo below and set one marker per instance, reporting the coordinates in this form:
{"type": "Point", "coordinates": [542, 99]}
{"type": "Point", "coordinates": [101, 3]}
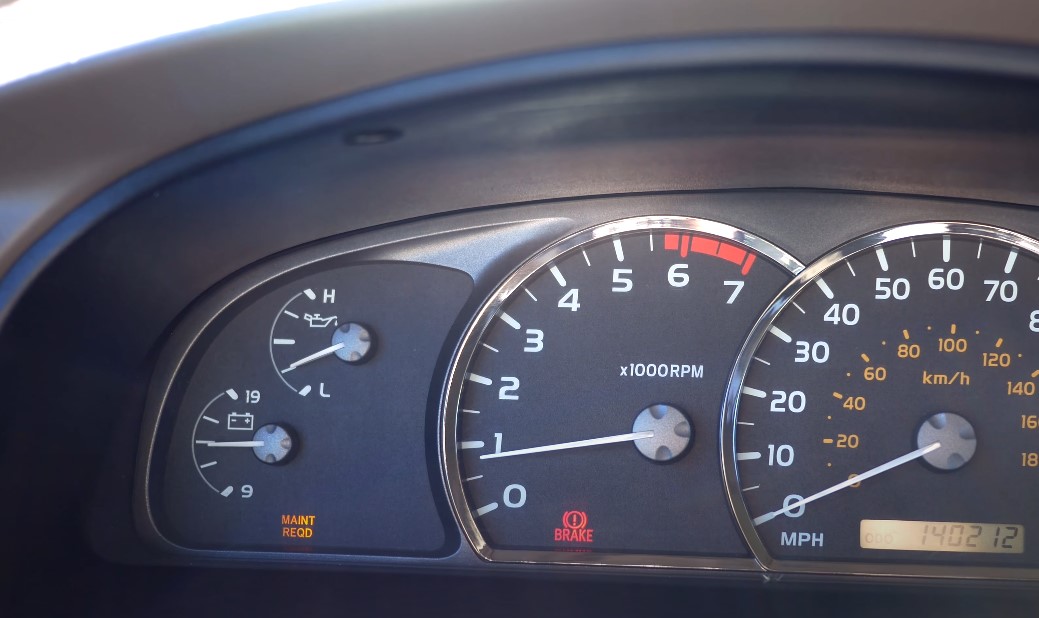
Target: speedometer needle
{"type": "Point", "coordinates": [894, 463]}
{"type": "Point", "coordinates": [245, 444]}
{"type": "Point", "coordinates": [625, 437]}
{"type": "Point", "coordinates": [332, 349]}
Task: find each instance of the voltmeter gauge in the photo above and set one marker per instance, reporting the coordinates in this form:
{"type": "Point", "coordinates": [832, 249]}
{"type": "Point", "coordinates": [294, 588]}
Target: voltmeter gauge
{"type": "Point", "coordinates": [234, 438]}
{"type": "Point", "coordinates": [882, 416]}
{"type": "Point", "coordinates": [311, 342]}
{"type": "Point", "coordinates": [582, 409]}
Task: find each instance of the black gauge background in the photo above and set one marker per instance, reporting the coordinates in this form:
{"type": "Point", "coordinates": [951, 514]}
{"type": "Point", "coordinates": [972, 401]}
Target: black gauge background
{"type": "Point", "coordinates": [572, 390]}
{"type": "Point", "coordinates": [992, 487]}
{"type": "Point", "coordinates": [364, 499]}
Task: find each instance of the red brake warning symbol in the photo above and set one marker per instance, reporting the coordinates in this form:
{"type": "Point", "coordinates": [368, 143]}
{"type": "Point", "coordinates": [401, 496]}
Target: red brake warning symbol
{"type": "Point", "coordinates": [575, 528]}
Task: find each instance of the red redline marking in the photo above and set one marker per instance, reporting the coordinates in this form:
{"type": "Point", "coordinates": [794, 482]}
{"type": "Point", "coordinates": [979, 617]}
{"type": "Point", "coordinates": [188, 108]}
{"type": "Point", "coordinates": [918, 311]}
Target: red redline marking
{"type": "Point", "coordinates": [731, 253]}
{"type": "Point", "coordinates": [707, 246]}
{"type": "Point", "coordinates": [748, 263]}
{"type": "Point", "coordinates": [689, 243]}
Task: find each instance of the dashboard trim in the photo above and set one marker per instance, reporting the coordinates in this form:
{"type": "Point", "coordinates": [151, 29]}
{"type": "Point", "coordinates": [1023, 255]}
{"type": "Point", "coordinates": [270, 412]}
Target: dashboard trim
{"type": "Point", "coordinates": [44, 207]}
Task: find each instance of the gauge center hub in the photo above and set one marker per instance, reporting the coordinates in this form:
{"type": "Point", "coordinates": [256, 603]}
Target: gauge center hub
{"type": "Point", "coordinates": [277, 444]}
{"type": "Point", "coordinates": [954, 433]}
{"type": "Point", "coordinates": [672, 433]}
{"type": "Point", "coordinates": [356, 342]}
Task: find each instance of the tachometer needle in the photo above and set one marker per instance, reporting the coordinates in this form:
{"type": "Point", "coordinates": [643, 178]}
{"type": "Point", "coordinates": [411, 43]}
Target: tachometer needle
{"type": "Point", "coordinates": [332, 349]}
{"type": "Point", "coordinates": [243, 444]}
{"type": "Point", "coordinates": [894, 463]}
{"type": "Point", "coordinates": [626, 437]}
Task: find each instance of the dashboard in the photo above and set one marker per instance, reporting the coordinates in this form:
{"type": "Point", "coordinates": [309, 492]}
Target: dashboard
{"type": "Point", "coordinates": [745, 320]}
{"type": "Point", "coordinates": [654, 390]}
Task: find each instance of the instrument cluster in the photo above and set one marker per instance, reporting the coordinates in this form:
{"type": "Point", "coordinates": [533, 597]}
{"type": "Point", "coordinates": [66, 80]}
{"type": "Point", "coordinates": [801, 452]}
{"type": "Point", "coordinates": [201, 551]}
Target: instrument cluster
{"type": "Point", "coordinates": [640, 386]}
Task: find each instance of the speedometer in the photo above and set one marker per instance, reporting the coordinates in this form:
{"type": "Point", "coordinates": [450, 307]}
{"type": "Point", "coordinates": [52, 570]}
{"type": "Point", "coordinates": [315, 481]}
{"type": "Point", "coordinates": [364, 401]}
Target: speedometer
{"type": "Point", "coordinates": [582, 409]}
{"type": "Point", "coordinates": [884, 410]}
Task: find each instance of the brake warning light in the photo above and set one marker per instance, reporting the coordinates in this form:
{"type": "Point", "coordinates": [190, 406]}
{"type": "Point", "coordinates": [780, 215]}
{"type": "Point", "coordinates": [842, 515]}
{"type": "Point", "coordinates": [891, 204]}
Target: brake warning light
{"type": "Point", "coordinates": [575, 528]}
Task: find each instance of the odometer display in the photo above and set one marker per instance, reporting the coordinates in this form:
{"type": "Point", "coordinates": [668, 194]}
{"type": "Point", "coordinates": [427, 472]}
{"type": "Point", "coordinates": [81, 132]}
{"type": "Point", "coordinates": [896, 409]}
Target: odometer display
{"type": "Point", "coordinates": [947, 536]}
{"type": "Point", "coordinates": [582, 413]}
{"type": "Point", "coordinates": [892, 387]}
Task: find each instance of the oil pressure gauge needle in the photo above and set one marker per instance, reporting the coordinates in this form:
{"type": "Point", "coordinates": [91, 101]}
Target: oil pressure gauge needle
{"type": "Point", "coordinates": [882, 468]}
{"type": "Point", "coordinates": [624, 437]}
{"type": "Point", "coordinates": [332, 349]}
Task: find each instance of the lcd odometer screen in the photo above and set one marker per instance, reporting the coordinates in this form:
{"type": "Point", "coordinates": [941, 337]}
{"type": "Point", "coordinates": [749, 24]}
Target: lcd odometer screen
{"type": "Point", "coordinates": [949, 536]}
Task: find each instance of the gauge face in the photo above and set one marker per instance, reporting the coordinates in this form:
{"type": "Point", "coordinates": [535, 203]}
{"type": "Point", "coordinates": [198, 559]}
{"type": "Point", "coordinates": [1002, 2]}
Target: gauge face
{"type": "Point", "coordinates": [232, 443]}
{"type": "Point", "coordinates": [583, 408]}
{"type": "Point", "coordinates": [884, 410]}
{"type": "Point", "coordinates": [241, 462]}
{"type": "Point", "coordinates": [311, 343]}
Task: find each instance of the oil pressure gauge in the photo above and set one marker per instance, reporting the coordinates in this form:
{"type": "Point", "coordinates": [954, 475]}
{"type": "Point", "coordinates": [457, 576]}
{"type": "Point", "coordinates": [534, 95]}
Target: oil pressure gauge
{"type": "Point", "coordinates": [311, 342]}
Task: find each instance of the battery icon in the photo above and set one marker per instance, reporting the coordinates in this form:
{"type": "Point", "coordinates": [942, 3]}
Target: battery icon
{"type": "Point", "coordinates": [240, 421]}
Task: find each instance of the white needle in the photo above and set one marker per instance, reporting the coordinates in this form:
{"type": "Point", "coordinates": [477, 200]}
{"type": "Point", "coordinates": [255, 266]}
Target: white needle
{"type": "Point", "coordinates": [626, 437]}
{"type": "Point", "coordinates": [894, 463]}
{"type": "Point", "coordinates": [248, 444]}
{"type": "Point", "coordinates": [316, 355]}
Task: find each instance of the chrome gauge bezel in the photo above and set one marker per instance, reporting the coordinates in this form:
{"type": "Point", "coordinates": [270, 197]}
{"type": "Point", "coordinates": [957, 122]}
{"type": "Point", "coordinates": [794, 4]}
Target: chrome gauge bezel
{"type": "Point", "coordinates": [732, 400]}
{"type": "Point", "coordinates": [474, 333]}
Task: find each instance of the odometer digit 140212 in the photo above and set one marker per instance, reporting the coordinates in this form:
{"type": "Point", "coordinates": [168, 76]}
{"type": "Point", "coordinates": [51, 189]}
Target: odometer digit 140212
{"type": "Point", "coordinates": [884, 408]}
{"type": "Point", "coordinates": [582, 410]}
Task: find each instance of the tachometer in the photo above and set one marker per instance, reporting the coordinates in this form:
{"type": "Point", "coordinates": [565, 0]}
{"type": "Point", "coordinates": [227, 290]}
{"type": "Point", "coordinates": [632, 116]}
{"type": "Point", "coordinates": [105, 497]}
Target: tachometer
{"type": "Point", "coordinates": [583, 403]}
{"type": "Point", "coordinates": [884, 408]}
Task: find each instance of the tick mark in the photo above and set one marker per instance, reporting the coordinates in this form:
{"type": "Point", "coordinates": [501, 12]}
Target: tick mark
{"type": "Point", "coordinates": [753, 392]}
{"type": "Point", "coordinates": [559, 276]}
{"type": "Point", "coordinates": [825, 288]}
{"type": "Point", "coordinates": [775, 330]}
{"type": "Point", "coordinates": [882, 258]}
{"type": "Point", "coordinates": [508, 319]}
